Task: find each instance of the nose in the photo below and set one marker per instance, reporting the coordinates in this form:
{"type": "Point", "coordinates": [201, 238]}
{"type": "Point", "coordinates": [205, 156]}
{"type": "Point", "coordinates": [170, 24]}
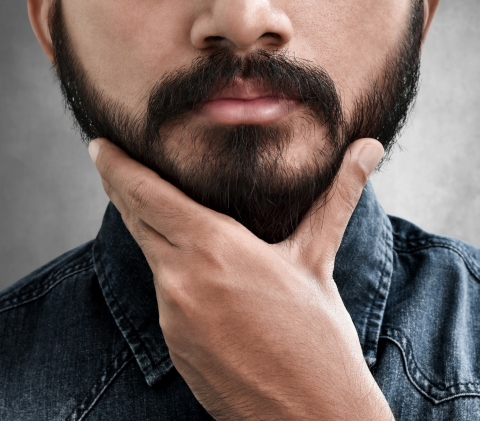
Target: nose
{"type": "Point", "coordinates": [241, 25]}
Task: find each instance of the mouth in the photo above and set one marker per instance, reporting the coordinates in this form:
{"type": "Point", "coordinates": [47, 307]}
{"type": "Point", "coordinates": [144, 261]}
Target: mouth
{"type": "Point", "coordinates": [246, 102]}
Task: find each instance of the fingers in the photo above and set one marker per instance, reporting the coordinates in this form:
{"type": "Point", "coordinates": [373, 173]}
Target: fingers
{"type": "Point", "coordinates": [319, 235]}
{"type": "Point", "coordinates": [154, 245]}
{"type": "Point", "coordinates": [140, 192]}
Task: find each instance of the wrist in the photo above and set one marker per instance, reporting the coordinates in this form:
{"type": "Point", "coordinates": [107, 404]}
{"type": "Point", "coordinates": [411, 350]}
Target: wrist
{"type": "Point", "coordinates": [361, 399]}
{"type": "Point", "coordinates": [364, 402]}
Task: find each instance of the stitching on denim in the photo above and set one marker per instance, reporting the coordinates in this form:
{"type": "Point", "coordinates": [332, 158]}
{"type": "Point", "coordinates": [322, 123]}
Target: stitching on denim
{"type": "Point", "coordinates": [417, 366]}
{"type": "Point", "coordinates": [405, 364]}
{"type": "Point", "coordinates": [396, 332]}
{"type": "Point", "coordinates": [62, 268]}
{"type": "Point", "coordinates": [81, 411]}
{"type": "Point", "coordinates": [472, 267]}
{"type": "Point", "coordinates": [132, 332]}
{"type": "Point", "coordinates": [45, 292]}
{"type": "Point", "coordinates": [383, 289]}
{"type": "Point", "coordinates": [119, 314]}
{"type": "Point", "coordinates": [406, 361]}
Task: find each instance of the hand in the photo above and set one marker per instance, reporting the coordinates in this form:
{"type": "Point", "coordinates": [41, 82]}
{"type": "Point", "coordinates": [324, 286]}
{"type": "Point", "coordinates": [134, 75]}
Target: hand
{"type": "Point", "coordinates": [257, 331]}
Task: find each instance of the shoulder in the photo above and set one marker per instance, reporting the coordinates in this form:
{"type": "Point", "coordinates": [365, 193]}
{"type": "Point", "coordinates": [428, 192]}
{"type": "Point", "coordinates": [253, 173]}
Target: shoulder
{"type": "Point", "coordinates": [43, 281]}
{"type": "Point", "coordinates": [432, 315]}
{"type": "Point", "coordinates": [410, 240]}
{"type": "Point", "coordinates": [59, 343]}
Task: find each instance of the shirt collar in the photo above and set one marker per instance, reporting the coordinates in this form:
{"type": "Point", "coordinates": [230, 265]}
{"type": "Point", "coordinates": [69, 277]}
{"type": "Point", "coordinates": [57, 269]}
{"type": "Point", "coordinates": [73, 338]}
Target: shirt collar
{"type": "Point", "coordinates": [362, 272]}
{"type": "Point", "coordinates": [363, 269]}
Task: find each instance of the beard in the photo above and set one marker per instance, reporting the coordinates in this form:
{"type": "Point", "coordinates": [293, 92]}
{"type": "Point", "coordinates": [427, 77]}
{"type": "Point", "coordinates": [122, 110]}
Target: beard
{"type": "Point", "coordinates": [242, 171]}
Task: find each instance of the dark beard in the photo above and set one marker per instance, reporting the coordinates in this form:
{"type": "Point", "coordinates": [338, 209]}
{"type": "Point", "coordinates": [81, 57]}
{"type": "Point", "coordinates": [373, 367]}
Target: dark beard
{"type": "Point", "coordinates": [240, 170]}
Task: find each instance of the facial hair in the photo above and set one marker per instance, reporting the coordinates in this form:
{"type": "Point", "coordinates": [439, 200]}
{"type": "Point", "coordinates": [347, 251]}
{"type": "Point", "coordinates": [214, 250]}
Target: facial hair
{"type": "Point", "coordinates": [241, 171]}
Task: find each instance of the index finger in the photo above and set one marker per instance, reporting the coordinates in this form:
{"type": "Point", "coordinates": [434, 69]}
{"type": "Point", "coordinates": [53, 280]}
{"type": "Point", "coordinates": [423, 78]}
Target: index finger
{"type": "Point", "coordinates": [155, 201]}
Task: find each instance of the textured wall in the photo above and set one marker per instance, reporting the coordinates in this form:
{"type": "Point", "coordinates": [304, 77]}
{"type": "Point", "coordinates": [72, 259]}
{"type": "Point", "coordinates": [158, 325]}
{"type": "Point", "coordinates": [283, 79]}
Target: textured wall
{"type": "Point", "coordinates": [52, 199]}
{"type": "Point", "coordinates": [435, 181]}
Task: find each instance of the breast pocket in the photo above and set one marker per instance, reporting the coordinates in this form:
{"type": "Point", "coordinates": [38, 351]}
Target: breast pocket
{"type": "Point", "coordinates": [440, 368]}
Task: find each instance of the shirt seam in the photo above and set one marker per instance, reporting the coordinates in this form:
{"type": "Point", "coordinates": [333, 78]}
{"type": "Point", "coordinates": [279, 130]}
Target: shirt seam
{"type": "Point", "coordinates": [45, 292]}
{"type": "Point", "coordinates": [389, 335]}
{"type": "Point", "coordinates": [376, 311]}
{"type": "Point", "coordinates": [99, 388]}
{"type": "Point", "coordinates": [469, 265]}
{"type": "Point", "coordinates": [144, 357]}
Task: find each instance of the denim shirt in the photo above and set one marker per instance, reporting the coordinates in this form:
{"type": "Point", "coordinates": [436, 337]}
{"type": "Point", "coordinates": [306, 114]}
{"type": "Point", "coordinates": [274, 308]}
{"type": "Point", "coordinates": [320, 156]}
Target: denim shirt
{"type": "Point", "coordinates": [80, 338]}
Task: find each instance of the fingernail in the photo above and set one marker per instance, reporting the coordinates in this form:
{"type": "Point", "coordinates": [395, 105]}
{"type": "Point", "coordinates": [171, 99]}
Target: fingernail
{"type": "Point", "coordinates": [93, 150]}
{"type": "Point", "coordinates": [369, 157]}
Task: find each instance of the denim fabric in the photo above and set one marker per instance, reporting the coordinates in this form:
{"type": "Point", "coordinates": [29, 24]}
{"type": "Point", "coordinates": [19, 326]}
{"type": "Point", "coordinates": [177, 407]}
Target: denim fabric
{"type": "Point", "coordinates": [80, 338]}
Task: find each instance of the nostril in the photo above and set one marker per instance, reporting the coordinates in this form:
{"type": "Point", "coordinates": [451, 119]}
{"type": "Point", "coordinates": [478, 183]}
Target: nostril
{"type": "Point", "coordinates": [270, 35]}
{"type": "Point", "coordinates": [214, 39]}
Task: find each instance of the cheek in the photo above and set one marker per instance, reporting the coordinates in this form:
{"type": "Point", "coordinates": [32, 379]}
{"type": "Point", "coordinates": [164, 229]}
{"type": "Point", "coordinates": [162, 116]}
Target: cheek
{"type": "Point", "coordinates": [349, 38]}
{"type": "Point", "coordinates": [126, 45]}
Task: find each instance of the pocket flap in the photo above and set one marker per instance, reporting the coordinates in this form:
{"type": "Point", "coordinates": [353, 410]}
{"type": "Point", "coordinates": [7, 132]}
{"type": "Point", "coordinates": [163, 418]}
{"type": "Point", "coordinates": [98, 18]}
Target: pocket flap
{"type": "Point", "coordinates": [443, 378]}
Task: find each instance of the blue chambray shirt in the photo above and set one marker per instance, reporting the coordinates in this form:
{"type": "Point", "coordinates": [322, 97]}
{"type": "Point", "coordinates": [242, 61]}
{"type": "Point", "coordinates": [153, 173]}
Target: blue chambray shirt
{"type": "Point", "coordinates": [80, 338]}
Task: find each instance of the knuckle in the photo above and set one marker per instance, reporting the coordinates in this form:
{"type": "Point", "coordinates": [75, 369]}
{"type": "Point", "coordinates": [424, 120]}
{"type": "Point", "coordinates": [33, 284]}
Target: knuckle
{"type": "Point", "coordinates": [138, 194]}
{"type": "Point", "coordinates": [173, 292]}
{"type": "Point", "coordinates": [181, 219]}
{"type": "Point", "coordinates": [198, 231]}
{"type": "Point", "coordinates": [137, 228]}
{"type": "Point", "coordinates": [210, 242]}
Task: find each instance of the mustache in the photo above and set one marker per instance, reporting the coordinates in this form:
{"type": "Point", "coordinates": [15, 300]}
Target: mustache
{"type": "Point", "coordinates": [281, 75]}
{"type": "Point", "coordinates": [240, 170]}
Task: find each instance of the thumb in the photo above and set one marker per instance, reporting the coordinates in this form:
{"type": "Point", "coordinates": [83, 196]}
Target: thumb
{"type": "Point", "coordinates": [320, 233]}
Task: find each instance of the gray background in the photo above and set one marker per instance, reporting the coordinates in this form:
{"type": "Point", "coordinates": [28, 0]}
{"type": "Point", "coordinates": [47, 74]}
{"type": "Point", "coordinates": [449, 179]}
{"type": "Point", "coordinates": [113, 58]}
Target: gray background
{"type": "Point", "coordinates": [51, 195]}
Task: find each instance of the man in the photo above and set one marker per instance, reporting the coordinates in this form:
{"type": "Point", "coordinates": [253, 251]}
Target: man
{"type": "Point", "coordinates": [244, 269]}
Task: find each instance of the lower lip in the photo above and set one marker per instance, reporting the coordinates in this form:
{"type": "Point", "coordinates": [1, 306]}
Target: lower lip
{"type": "Point", "coordinates": [266, 110]}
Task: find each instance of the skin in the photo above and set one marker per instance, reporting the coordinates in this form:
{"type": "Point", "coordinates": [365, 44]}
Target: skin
{"type": "Point", "coordinates": [127, 45]}
{"type": "Point", "coordinates": [199, 256]}
{"type": "Point", "coordinates": [225, 329]}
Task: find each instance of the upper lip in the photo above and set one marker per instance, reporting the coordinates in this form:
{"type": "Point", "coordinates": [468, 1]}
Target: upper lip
{"type": "Point", "coordinates": [244, 90]}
